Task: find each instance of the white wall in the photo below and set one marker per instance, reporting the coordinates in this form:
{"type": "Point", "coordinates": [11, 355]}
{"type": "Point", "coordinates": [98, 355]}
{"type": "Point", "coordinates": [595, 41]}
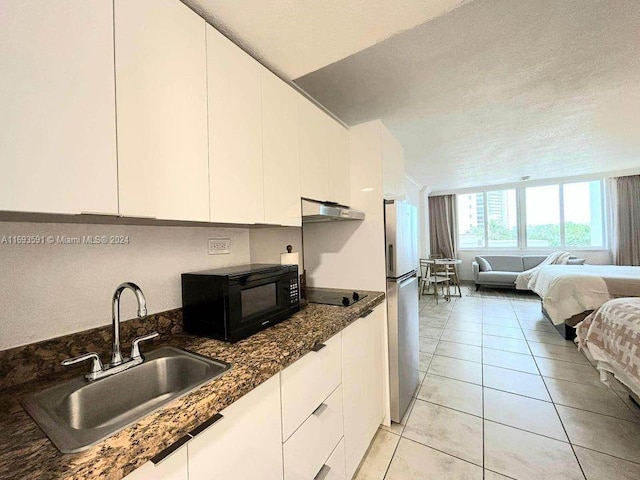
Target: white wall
{"type": "Point", "coordinates": [595, 257]}
{"type": "Point", "coordinates": [267, 244]}
{"type": "Point", "coordinates": [425, 236]}
{"type": "Point", "coordinates": [52, 290]}
{"type": "Point", "coordinates": [350, 255]}
{"type": "Point", "coordinates": [412, 192]}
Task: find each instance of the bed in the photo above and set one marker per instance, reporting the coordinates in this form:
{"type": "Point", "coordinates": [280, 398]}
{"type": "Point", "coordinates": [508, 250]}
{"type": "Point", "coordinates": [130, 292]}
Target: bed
{"type": "Point", "coordinates": [611, 334]}
{"type": "Point", "coordinates": [571, 292]}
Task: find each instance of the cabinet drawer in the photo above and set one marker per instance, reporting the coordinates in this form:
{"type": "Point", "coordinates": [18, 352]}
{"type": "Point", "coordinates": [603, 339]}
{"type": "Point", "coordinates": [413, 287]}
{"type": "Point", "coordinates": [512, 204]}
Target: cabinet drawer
{"type": "Point", "coordinates": [309, 447]}
{"type": "Point", "coordinates": [174, 467]}
{"type": "Point", "coordinates": [246, 443]}
{"type": "Point", "coordinates": [334, 467]}
{"type": "Point", "coordinates": [307, 382]}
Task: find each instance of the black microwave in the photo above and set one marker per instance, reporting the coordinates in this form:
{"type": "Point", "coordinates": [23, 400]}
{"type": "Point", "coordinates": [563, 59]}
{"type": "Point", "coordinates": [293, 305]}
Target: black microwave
{"type": "Point", "coordinates": [232, 303]}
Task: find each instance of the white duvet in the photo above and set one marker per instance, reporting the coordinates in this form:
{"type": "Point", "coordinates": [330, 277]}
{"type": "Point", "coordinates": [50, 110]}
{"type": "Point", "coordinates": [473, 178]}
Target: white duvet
{"type": "Point", "coordinates": [556, 258]}
{"type": "Point", "coordinates": [567, 290]}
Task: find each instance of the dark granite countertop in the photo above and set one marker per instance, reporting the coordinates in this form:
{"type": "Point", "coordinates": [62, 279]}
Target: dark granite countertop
{"type": "Point", "coordinates": [26, 452]}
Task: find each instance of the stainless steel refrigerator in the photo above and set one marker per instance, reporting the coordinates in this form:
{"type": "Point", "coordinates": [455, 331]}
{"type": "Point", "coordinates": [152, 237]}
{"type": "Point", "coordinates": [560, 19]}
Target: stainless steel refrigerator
{"type": "Point", "coordinates": [401, 241]}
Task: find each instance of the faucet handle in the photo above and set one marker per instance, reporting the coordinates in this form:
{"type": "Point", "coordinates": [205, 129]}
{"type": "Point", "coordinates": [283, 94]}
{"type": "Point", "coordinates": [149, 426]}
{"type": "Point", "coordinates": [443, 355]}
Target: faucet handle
{"type": "Point", "coordinates": [96, 364]}
{"type": "Point", "coordinates": [135, 345]}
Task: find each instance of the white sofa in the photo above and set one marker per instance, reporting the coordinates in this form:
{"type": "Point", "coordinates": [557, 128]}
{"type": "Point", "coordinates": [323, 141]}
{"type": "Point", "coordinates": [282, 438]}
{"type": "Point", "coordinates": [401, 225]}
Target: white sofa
{"type": "Point", "coordinates": [502, 270]}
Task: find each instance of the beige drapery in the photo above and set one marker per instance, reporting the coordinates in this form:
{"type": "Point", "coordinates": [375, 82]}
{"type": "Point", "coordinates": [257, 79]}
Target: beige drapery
{"type": "Point", "coordinates": [443, 225]}
{"type": "Point", "coordinates": [625, 242]}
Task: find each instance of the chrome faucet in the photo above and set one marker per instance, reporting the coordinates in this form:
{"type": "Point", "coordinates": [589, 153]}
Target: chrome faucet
{"type": "Point", "coordinates": [118, 362]}
{"type": "Point", "coordinates": [116, 356]}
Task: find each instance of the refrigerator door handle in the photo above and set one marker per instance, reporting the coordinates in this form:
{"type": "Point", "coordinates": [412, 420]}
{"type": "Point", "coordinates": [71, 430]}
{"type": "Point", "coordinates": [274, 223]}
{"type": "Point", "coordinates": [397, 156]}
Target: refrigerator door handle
{"type": "Point", "coordinates": [410, 279]}
{"type": "Point", "coordinates": [391, 258]}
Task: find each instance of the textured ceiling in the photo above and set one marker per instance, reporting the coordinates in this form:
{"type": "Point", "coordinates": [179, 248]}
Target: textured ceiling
{"type": "Point", "coordinates": [295, 37]}
{"type": "Point", "coordinates": [498, 89]}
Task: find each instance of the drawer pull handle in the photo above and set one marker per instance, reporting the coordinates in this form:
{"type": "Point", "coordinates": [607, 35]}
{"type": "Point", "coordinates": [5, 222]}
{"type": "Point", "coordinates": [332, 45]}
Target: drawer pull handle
{"type": "Point", "coordinates": [318, 346]}
{"type": "Point", "coordinates": [322, 473]}
{"type": "Point", "coordinates": [321, 408]}
{"type": "Point", "coordinates": [366, 314]}
{"type": "Point", "coordinates": [170, 449]}
{"type": "Point", "coordinates": [201, 428]}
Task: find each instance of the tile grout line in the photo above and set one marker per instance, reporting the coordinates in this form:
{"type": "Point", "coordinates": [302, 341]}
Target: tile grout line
{"type": "Point", "coordinates": [443, 452]}
{"type": "Point", "coordinates": [484, 461]}
{"type": "Point", "coordinates": [618, 394]}
{"type": "Point", "coordinates": [555, 408]}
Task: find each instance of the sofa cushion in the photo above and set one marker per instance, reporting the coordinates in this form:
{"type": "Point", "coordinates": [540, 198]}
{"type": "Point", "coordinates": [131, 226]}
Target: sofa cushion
{"type": "Point", "coordinates": [530, 261]}
{"type": "Point", "coordinates": [483, 264]}
{"type": "Point", "coordinates": [575, 261]}
{"type": "Point", "coordinates": [505, 263]}
{"type": "Point", "coordinates": [497, 278]}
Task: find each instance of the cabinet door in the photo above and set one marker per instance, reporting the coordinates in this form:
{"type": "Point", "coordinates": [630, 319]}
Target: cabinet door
{"type": "Point", "coordinates": [362, 383]}
{"type": "Point", "coordinates": [174, 467]}
{"type": "Point", "coordinates": [235, 132]}
{"type": "Point", "coordinates": [314, 166]}
{"type": "Point", "coordinates": [246, 443]}
{"type": "Point", "coordinates": [162, 110]}
{"type": "Point", "coordinates": [280, 152]}
{"type": "Point", "coordinates": [338, 161]}
{"type": "Point", "coordinates": [57, 121]}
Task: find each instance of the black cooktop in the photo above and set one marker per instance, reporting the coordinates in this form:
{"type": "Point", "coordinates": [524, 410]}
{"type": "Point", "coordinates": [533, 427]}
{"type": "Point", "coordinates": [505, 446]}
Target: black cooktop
{"type": "Point", "coordinates": [334, 298]}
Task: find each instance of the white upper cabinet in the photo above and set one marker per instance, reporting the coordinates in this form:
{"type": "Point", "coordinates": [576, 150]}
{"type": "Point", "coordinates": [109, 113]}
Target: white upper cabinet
{"type": "Point", "coordinates": [161, 87]}
{"type": "Point", "coordinates": [324, 156]}
{"type": "Point", "coordinates": [57, 121]}
{"type": "Point", "coordinates": [338, 163]}
{"type": "Point", "coordinates": [314, 165]}
{"type": "Point", "coordinates": [235, 132]}
{"type": "Point", "coordinates": [280, 152]}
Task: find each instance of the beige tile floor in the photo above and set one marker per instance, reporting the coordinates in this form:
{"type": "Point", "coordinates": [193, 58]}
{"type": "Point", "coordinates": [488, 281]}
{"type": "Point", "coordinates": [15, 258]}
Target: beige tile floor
{"type": "Point", "coordinates": [503, 396]}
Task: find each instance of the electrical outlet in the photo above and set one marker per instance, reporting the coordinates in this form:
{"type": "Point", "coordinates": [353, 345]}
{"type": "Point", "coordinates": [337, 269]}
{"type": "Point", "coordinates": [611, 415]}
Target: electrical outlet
{"type": "Point", "coordinates": [219, 246]}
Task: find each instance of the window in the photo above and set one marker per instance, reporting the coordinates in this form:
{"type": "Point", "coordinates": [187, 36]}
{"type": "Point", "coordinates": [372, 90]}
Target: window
{"type": "Point", "coordinates": [566, 215]}
{"type": "Point", "coordinates": [502, 226]}
{"type": "Point", "coordinates": [488, 218]}
{"type": "Point", "coordinates": [583, 222]}
{"type": "Point", "coordinates": [543, 216]}
{"type": "Point", "coordinates": [471, 220]}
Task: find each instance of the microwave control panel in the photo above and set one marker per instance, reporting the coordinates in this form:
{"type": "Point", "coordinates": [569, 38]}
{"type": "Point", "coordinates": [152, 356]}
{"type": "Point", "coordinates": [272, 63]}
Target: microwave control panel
{"type": "Point", "coordinates": [293, 290]}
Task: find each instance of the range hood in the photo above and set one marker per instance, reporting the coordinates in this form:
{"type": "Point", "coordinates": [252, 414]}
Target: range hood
{"type": "Point", "coordinates": [314, 212]}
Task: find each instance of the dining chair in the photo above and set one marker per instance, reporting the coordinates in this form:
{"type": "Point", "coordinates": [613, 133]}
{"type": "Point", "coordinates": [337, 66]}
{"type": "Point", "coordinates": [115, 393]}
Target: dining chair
{"type": "Point", "coordinates": [432, 274]}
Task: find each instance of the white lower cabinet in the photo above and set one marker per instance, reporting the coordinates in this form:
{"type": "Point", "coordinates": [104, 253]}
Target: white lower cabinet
{"type": "Point", "coordinates": [334, 467]}
{"type": "Point", "coordinates": [174, 467]}
{"type": "Point", "coordinates": [362, 383]}
{"type": "Point", "coordinates": [307, 383]}
{"type": "Point", "coordinates": [246, 443]}
{"type": "Point", "coordinates": [329, 403]}
{"type": "Point", "coordinates": [311, 445]}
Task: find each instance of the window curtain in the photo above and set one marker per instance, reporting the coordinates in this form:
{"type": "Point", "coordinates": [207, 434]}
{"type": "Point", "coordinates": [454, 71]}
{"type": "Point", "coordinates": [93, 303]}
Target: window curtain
{"type": "Point", "coordinates": [443, 225]}
{"type": "Point", "coordinates": [624, 206]}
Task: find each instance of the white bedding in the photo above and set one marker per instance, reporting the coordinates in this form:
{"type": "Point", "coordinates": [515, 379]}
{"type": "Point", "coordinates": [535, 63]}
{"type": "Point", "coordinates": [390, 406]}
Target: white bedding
{"type": "Point", "coordinates": [567, 290]}
{"type": "Point", "coordinates": [556, 258]}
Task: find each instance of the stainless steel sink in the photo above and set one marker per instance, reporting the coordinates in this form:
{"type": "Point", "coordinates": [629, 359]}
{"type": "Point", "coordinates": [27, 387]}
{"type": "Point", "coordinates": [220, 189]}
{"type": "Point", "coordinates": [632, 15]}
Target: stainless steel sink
{"type": "Point", "coordinates": [78, 414]}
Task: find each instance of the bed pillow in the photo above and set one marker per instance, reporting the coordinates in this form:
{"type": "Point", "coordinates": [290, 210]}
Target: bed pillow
{"type": "Point", "coordinates": [484, 265]}
{"type": "Point", "coordinates": [575, 261]}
